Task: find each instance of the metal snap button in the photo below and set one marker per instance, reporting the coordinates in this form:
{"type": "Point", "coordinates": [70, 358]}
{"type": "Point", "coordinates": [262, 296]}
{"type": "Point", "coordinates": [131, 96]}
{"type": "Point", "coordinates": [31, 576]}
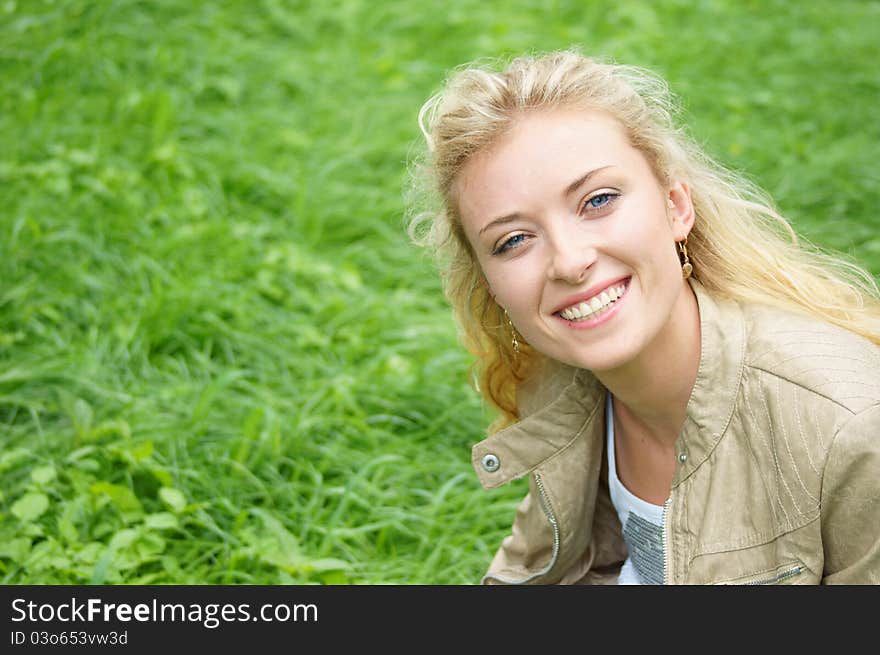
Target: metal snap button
{"type": "Point", "coordinates": [682, 457]}
{"type": "Point", "coordinates": [491, 462]}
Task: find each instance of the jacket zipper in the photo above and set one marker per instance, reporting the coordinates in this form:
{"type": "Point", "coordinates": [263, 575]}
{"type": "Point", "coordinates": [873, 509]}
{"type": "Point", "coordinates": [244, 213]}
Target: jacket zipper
{"type": "Point", "coordinates": [545, 505]}
{"type": "Point", "coordinates": [665, 541]}
{"type": "Point", "coordinates": [548, 512]}
{"type": "Point", "coordinates": [778, 577]}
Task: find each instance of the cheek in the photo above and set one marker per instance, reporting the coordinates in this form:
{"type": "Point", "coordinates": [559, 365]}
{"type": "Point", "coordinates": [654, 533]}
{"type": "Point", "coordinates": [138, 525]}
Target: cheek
{"type": "Point", "coordinates": [647, 234]}
{"type": "Point", "coordinates": [514, 286]}
{"type": "Point", "coordinates": [502, 288]}
{"type": "Point", "coordinates": [651, 218]}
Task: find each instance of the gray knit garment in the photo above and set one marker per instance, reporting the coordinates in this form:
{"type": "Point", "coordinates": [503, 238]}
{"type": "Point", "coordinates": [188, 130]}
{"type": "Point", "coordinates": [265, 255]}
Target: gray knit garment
{"type": "Point", "coordinates": [645, 543]}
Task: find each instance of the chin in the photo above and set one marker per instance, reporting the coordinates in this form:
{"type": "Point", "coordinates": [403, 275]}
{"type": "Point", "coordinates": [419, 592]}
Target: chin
{"type": "Point", "coordinates": [597, 362]}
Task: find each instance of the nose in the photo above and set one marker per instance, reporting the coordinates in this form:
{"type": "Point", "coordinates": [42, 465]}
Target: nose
{"type": "Point", "coordinates": [570, 258]}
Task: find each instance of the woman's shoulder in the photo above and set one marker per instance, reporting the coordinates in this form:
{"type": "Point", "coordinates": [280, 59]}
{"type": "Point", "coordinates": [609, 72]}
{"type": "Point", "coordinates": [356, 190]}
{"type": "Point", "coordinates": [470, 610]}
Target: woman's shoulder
{"type": "Point", "coordinates": [814, 355]}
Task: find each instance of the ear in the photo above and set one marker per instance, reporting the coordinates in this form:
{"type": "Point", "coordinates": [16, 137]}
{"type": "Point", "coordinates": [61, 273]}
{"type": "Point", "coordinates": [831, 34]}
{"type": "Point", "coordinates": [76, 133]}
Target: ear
{"type": "Point", "coordinates": [680, 210]}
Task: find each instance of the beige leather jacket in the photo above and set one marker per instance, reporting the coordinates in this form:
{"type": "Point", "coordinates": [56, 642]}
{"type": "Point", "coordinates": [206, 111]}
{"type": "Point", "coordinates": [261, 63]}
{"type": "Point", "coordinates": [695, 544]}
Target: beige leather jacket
{"type": "Point", "coordinates": [777, 476]}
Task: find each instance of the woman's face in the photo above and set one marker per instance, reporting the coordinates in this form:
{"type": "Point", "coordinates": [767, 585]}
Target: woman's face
{"type": "Point", "coordinates": [576, 237]}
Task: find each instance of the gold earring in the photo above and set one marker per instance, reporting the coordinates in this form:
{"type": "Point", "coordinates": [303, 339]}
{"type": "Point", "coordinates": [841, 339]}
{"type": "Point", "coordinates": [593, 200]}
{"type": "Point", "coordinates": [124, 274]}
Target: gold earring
{"type": "Point", "coordinates": [686, 267]}
{"type": "Point", "coordinates": [513, 339]}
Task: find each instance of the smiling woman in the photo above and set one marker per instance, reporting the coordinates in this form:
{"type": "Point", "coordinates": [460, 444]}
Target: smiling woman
{"type": "Point", "coordinates": [561, 245]}
{"type": "Point", "coordinates": [693, 393]}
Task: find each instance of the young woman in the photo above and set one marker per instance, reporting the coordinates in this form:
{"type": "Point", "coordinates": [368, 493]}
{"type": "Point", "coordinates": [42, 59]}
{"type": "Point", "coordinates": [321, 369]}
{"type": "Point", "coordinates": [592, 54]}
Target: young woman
{"type": "Point", "coordinates": [694, 394]}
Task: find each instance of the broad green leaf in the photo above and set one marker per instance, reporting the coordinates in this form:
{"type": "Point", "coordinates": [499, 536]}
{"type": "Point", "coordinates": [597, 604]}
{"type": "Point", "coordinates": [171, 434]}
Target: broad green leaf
{"type": "Point", "coordinates": [30, 506]}
{"type": "Point", "coordinates": [123, 538]}
{"type": "Point", "coordinates": [107, 428]}
{"type": "Point", "coordinates": [32, 530]}
{"type": "Point", "coordinates": [149, 545]}
{"type": "Point", "coordinates": [161, 521]}
{"type": "Point", "coordinates": [12, 457]}
{"type": "Point", "coordinates": [87, 464]}
{"type": "Point", "coordinates": [48, 555]}
{"type": "Point", "coordinates": [163, 476]}
{"type": "Point", "coordinates": [142, 451]}
{"type": "Point", "coordinates": [68, 530]}
{"type": "Point", "coordinates": [122, 497]}
{"type": "Point", "coordinates": [172, 497]}
{"type": "Point", "coordinates": [90, 552]}
{"type": "Point", "coordinates": [280, 548]}
{"type": "Point", "coordinates": [43, 474]}
{"type": "Point", "coordinates": [124, 560]}
{"type": "Point", "coordinates": [16, 549]}
{"type": "Point", "coordinates": [102, 567]}
{"type": "Point", "coordinates": [80, 452]}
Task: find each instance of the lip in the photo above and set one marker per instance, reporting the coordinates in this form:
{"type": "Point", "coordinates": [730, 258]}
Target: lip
{"type": "Point", "coordinates": [605, 316]}
{"type": "Point", "coordinates": [594, 290]}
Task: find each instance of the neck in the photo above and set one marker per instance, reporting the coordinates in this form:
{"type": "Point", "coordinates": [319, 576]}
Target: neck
{"type": "Point", "coordinates": [651, 392]}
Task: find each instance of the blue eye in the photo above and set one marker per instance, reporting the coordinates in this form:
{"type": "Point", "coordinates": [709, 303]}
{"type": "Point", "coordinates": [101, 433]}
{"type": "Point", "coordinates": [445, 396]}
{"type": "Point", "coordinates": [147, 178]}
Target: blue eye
{"type": "Point", "coordinates": [599, 201]}
{"type": "Point", "coordinates": [512, 242]}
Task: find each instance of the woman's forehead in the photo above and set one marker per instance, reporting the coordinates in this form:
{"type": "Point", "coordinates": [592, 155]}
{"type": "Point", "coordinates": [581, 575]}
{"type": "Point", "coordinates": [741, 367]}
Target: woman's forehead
{"type": "Point", "coordinates": [544, 150]}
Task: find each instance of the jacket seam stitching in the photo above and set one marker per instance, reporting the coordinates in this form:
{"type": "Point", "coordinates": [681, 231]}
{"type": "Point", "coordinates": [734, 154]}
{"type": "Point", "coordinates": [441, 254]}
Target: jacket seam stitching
{"type": "Point", "coordinates": [804, 387]}
{"type": "Point", "coordinates": [750, 447]}
{"type": "Point", "coordinates": [741, 366]}
{"type": "Point", "coordinates": [759, 539]}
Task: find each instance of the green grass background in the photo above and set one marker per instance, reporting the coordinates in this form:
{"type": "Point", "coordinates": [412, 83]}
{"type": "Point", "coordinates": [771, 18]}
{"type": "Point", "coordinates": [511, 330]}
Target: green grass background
{"type": "Point", "coordinates": [220, 359]}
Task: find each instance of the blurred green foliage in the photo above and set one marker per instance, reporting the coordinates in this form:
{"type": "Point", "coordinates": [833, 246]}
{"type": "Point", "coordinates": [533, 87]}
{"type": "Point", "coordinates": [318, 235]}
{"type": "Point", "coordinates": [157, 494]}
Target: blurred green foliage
{"type": "Point", "coordinates": [220, 359]}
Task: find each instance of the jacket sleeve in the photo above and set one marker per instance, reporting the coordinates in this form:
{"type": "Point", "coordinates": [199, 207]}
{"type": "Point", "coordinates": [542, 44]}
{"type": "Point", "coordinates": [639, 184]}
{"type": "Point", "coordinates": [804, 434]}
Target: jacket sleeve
{"type": "Point", "coordinates": [850, 502]}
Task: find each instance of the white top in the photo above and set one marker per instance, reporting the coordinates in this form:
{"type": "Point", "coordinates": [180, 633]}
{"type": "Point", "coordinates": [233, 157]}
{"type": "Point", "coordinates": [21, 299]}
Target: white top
{"type": "Point", "coordinates": [642, 522]}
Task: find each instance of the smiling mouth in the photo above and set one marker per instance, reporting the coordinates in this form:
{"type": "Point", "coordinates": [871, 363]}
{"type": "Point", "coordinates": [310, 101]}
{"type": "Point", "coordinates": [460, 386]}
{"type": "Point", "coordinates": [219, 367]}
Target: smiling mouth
{"type": "Point", "coordinates": [595, 306]}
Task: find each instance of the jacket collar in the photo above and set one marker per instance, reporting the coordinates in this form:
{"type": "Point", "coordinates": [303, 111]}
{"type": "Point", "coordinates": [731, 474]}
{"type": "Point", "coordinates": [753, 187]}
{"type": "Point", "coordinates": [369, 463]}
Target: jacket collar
{"type": "Point", "coordinates": [561, 403]}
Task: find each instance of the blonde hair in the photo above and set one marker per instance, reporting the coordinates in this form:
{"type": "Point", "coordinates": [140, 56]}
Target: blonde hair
{"type": "Point", "coordinates": [740, 247]}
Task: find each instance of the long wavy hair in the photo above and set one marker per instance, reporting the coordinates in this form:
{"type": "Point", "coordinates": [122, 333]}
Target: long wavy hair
{"type": "Point", "coordinates": [740, 246]}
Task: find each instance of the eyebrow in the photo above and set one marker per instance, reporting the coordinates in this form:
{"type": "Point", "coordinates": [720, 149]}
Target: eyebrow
{"type": "Point", "coordinates": [574, 186]}
{"type": "Point", "coordinates": [571, 188]}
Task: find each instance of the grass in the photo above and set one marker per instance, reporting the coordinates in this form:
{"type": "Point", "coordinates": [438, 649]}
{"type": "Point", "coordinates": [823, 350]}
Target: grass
{"type": "Point", "coordinates": [220, 359]}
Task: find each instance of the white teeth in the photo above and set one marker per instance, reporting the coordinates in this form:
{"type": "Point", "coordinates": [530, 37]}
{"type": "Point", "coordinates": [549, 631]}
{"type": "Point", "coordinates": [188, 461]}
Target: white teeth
{"type": "Point", "coordinates": [594, 305]}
